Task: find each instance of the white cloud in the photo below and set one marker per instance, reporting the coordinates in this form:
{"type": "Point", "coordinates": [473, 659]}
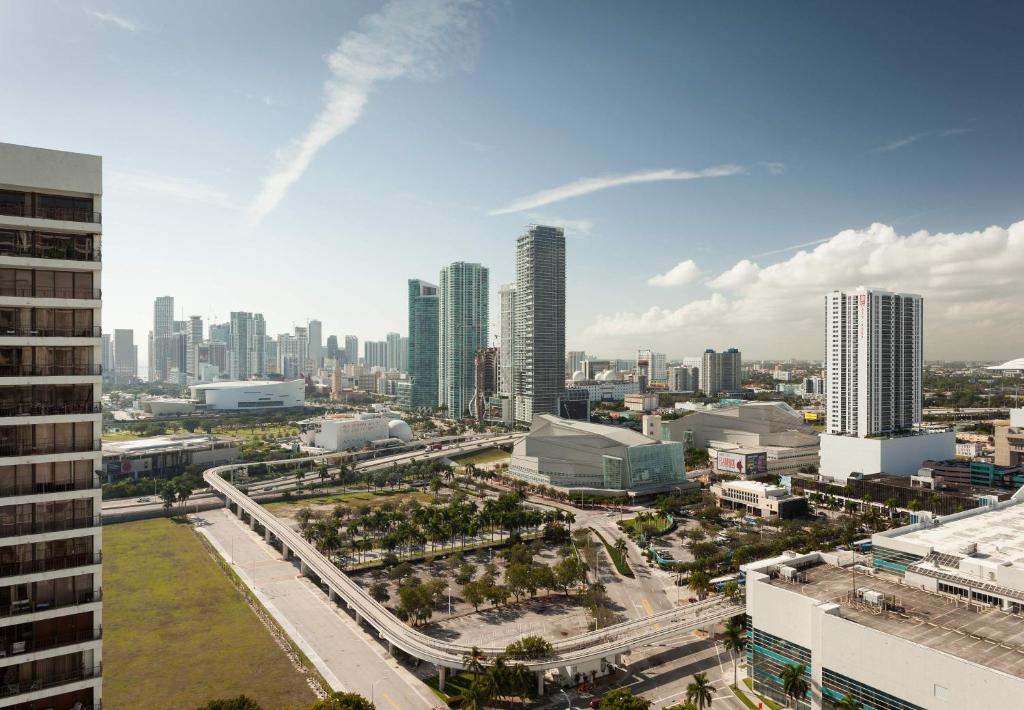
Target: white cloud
{"type": "Point", "coordinates": [413, 39]}
{"type": "Point", "coordinates": [585, 186]}
{"type": "Point", "coordinates": [112, 19]}
{"type": "Point", "coordinates": [176, 188]}
{"type": "Point", "coordinates": [573, 227]}
{"type": "Point", "coordinates": [679, 275]}
{"type": "Point", "coordinates": [970, 282]}
{"type": "Point", "coordinates": [904, 142]}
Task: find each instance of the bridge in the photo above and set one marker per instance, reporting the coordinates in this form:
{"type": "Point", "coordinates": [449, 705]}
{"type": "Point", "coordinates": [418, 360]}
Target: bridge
{"type": "Point", "coordinates": [596, 651]}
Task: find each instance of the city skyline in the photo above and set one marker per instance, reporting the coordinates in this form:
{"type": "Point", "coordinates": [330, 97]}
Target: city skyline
{"type": "Point", "coordinates": [723, 159]}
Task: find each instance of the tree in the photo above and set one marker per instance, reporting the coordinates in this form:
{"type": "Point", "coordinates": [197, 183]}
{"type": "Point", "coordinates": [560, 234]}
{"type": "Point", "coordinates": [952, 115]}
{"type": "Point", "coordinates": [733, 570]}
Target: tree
{"type": "Point", "coordinates": [529, 648]}
{"type": "Point", "coordinates": [735, 642]}
{"type": "Point", "coordinates": [848, 702]}
{"type": "Point", "coordinates": [379, 591]}
{"type": "Point", "coordinates": [733, 592]}
{"type": "Point", "coordinates": [699, 692]}
{"type": "Point", "coordinates": [343, 701]}
{"type": "Point", "coordinates": [700, 583]}
{"type": "Point", "coordinates": [475, 593]}
{"type": "Point", "coordinates": [794, 684]}
{"type": "Point", "coordinates": [567, 573]}
{"type": "Point", "coordinates": [473, 661]}
{"type": "Point", "coordinates": [480, 692]}
{"type": "Point", "coordinates": [242, 702]}
{"type": "Point", "coordinates": [623, 699]}
{"type": "Point", "coordinates": [169, 495]}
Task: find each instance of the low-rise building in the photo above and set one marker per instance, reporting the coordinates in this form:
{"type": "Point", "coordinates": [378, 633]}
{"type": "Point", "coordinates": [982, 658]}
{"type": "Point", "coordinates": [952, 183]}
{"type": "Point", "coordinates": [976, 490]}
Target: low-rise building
{"type": "Point", "coordinates": [968, 449]}
{"type": "Point", "coordinates": [605, 390]}
{"type": "Point", "coordinates": [249, 395]}
{"type": "Point", "coordinates": [758, 498]}
{"type": "Point", "coordinates": [165, 456]}
{"type": "Point", "coordinates": [1009, 440]}
{"type": "Point", "coordinates": [607, 460]}
{"type": "Point", "coordinates": [843, 456]}
{"type": "Point", "coordinates": [754, 425]}
{"type": "Point", "coordinates": [641, 402]}
{"type": "Point", "coordinates": [748, 461]}
{"type": "Point", "coordinates": [345, 433]}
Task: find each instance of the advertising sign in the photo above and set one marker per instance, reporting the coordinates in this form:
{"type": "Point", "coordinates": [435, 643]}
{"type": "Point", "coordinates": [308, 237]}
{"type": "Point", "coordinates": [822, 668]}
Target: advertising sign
{"type": "Point", "coordinates": [743, 464]}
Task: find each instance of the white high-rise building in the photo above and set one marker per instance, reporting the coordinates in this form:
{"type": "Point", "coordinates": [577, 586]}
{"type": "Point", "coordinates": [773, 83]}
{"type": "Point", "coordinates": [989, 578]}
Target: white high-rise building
{"type": "Point", "coordinates": [315, 349]}
{"type": "Point", "coordinates": [721, 372]}
{"type": "Point", "coordinates": [126, 357]}
{"type": "Point", "coordinates": [194, 335]}
{"type": "Point", "coordinates": [50, 428]}
{"type": "Point", "coordinates": [653, 365]}
{"type": "Point", "coordinates": [574, 361]}
{"type": "Point", "coordinates": [539, 346]}
{"type": "Point", "coordinates": [248, 337]}
{"type": "Point", "coordinates": [873, 362]}
{"type": "Point", "coordinates": [161, 346]}
{"type": "Point", "coordinates": [462, 310]}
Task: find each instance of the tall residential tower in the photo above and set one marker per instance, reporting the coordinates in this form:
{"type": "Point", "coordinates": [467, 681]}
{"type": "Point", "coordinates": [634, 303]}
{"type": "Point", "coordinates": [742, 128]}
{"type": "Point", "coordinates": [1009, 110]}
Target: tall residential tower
{"type": "Point", "coordinates": [422, 344]}
{"type": "Point", "coordinates": [51, 617]}
{"type": "Point", "coordinates": [462, 331]}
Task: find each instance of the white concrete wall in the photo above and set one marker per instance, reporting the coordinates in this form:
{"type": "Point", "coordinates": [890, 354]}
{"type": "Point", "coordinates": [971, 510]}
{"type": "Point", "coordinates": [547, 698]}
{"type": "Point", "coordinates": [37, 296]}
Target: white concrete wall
{"type": "Point", "coordinates": [25, 167]}
{"type": "Point", "coordinates": [1017, 417]}
{"type": "Point", "coordinates": [901, 456]}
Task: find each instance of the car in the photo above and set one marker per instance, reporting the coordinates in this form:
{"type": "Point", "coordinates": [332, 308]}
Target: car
{"type": "Point", "coordinates": [142, 500]}
{"type": "Point", "coordinates": [595, 702]}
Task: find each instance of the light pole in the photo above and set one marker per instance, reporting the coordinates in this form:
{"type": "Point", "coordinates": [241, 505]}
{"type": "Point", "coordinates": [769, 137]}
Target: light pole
{"type": "Point", "coordinates": [373, 688]}
{"type": "Point", "coordinates": [568, 701]}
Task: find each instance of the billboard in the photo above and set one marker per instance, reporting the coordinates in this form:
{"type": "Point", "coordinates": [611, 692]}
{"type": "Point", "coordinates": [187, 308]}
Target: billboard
{"type": "Point", "coordinates": [126, 467]}
{"type": "Point", "coordinates": [751, 464]}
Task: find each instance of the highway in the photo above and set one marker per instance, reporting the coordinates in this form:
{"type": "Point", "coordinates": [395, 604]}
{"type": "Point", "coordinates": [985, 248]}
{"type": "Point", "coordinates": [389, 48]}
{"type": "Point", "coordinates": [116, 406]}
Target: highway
{"type": "Point", "coordinates": [131, 509]}
{"type": "Point", "coordinates": [586, 650]}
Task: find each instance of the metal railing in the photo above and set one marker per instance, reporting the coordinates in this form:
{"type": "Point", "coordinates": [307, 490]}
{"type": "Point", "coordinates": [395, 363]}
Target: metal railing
{"type": "Point", "coordinates": [21, 489]}
{"type": "Point", "coordinates": [67, 252]}
{"type": "Point", "coordinates": [44, 526]}
{"type": "Point", "coordinates": [25, 448]}
{"type": "Point", "coordinates": [49, 564]}
{"type": "Point", "coordinates": [64, 638]}
{"type": "Point", "coordinates": [49, 370]}
{"type": "Point", "coordinates": [50, 292]}
{"type": "Point", "coordinates": [50, 681]}
{"type": "Point", "coordinates": [65, 214]}
{"type": "Point", "coordinates": [35, 409]}
{"type": "Point", "coordinates": [28, 331]}
{"type": "Point", "coordinates": [27, 606]}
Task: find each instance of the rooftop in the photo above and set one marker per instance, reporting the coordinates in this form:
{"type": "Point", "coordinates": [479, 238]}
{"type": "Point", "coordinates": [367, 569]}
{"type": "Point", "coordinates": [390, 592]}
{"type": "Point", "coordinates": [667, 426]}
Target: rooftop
{"type": "Point", "coordinates": [982, 635]}
{"type": "Point", "coordinates": [620, 435]}
{"type": "Point", "coordinates": [240, 384]}
{"type": "Point", "coordinates": [998, 533]}
{"type": "Point", "coordinates": [155, 444]}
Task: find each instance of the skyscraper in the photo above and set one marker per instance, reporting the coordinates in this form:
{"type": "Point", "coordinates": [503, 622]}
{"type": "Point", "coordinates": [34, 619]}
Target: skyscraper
{"type": "Point", "coordinates": [126, 357]}
{"type": "Point", "coordinates": [506, 350]}
{"type": "Point", "coordinates": [302, 349]}
{"type": "Point", "coordinates": [462, 331]}
{"type": "Point", "coordinates": [721, 372]}
{"type": "Point", "coordinates": [539, 347]}
{"type": "Point", "coordinates": [422, 344]}
{"type": "Point", "coordinates": [873, 362]}
{"type": "Point", "coordinates": [160, 350]}
{"type": "Point", "coordinates": [195, 336]}
{"type": "Point", "coordinates": [332, 347]}
{"type": "Point", "coordinates": [574, 361]}
{"type": "Point", "coordinates": [247, 357]}
{"type": "Point", "coordinates": [351, 350]}
{"type": "Point", "coordinates": [375, 353]}
{"type": "Point", "coordinates": [52, 619]}
{"type": "Point", "coordinates": [403, 354]}
{"type": "Point", "coordinates": [394, 345]}
{"type": "Point", "coordinates": [108, 360]}
{"type": "Point", "coordinates": [652, 365]}
{"type": "Point", "coordinates": [316, 348]}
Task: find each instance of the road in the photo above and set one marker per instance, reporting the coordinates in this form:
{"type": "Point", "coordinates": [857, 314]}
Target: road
{"type": "Point", "coordinates": [346, 656]}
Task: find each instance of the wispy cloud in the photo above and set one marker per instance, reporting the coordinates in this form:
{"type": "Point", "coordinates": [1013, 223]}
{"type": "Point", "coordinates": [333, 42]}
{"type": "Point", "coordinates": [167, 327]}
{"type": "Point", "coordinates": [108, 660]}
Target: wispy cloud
{"type": "Point", "coordinates": [112, 19]}
{"type": "Point", "coordinates": [904, 142]}
{"type": "Point", "coordinates": [791, 247]}
{"type": "Point", "coordinates": [585, 186]}
{"type": "Point", "coordinates": [679, 275]}
{"type": "Point", "coordinates": [413, 39]}
{"type": "Point", "coordinates": [580, 227]}
{"type": "Point", "coordinates": [176, 188]}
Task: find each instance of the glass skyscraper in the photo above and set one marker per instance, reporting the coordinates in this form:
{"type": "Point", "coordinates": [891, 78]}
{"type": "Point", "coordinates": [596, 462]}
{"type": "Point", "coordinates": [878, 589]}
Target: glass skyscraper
{"type": "Point", "coordinates": [462, 331]}
{"type": "Point", "coordinates": [423, 348]}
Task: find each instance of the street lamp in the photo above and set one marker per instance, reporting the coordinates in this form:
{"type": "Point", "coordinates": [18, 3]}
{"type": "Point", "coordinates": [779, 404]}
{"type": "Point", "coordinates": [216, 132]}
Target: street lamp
{"type": "Point", "coordinates": [568, 701]}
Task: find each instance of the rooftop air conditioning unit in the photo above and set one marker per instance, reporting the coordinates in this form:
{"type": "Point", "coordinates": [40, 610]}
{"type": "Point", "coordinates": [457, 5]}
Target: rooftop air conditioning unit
{"type": "Point", "coordinates": [873, 598]}
{"type": "Point", "coordinates": [787, 572]}
{"type": "Point", "coordinates": [968, 548]}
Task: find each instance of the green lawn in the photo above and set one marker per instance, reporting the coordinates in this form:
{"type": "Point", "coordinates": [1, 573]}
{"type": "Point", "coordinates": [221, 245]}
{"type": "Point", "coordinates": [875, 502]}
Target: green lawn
{"type": "Point", "coordinates": [658, 526]}
{"type": "Point", "coordinates": [483, 456]}
{"type": "Point", "coordinates": [374, 499]}
{"type": "Point", "coordinates": [177, 632]}
{"type": "Point", "coordinates": [120, 436]}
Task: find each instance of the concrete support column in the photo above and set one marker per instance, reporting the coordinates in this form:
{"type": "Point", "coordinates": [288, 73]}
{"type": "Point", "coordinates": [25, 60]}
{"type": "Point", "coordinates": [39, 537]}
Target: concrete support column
{"type": "Point", "coordinates": [266, 535]}
{"type": "Point", "coordinates": [252, 523]}
{"type": "Point", "coordinates": [284, 551]}
{"type": "Point", "coordinates": [391, 649]}
{"type": "Point", "coordinates": [332, 595]}
{"type": "Point", "coordinates": [442, 672]}
{"type": "Point", "coordinates": [540, 683]}
{"type": "Point", "coordinates": [303, 569]}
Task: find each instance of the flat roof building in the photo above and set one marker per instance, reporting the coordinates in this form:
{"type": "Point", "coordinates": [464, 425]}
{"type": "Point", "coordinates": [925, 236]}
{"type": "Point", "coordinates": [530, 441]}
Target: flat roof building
{"type": "Point", "coordinates": [249, 395]}
{"type": "Point", "coordinates": [757, 498]}
{"type": "Point", "coordinates": [603, 459]}
{"type": "Point", "coordinates": [162, 456]}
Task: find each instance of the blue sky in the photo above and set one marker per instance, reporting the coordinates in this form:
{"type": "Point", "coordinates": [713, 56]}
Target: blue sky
{"type": "Point", "coordinates": [305, 159]}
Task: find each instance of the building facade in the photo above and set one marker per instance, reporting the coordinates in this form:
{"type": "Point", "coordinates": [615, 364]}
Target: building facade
{"type": "Point", "coordinates": [126, 357]}
{"type": "Point", "coordinates": [248, 337]}
{"type": "Point", "coordinates": [351, 356]}
{"type": "Point", "coordinates": [423, 314]}
{"type": "Point", "coordinates": [51, 615]}
{"type": "Point", "coordinates": [873, 362]}
{"type": "Point", "coordinates": [539, 346]}
{"type": "Point", "coordinates": [462, 313]}
{"type": "Point", "coordinates": [721, 372]}
{"type": "Point", "coordinates": [684, 379]}
{"type": "Point", "coordinates": [160, 345]}
{"type": "Point", "coordinates": [315, 349]}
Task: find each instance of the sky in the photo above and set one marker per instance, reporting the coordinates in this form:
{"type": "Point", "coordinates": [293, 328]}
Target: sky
{"type": "Point", "coordinates": [718, 166]}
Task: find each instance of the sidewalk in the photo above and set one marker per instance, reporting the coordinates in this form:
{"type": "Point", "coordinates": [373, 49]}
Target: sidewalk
{"type": "Point", "coordinates": [344, 654]}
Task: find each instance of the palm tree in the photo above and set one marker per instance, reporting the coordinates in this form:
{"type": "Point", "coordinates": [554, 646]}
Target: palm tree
{"type": "Point", "coordinates": [473, 661]}
{"type": "Point", "coordinates": [478, 694]}
{"type": "Point", "coordinates": [699, 691]}
{"type": "Point", "coordinates": [794, 684]}
{"type": "Point", "coordinates": [735, 642]}
{"type": "Point", "coordinates": [620, 547]}
{"type": "Point", "coordinates": [848, 702]}
{"type": "Point", "coordinates": [700, 583]}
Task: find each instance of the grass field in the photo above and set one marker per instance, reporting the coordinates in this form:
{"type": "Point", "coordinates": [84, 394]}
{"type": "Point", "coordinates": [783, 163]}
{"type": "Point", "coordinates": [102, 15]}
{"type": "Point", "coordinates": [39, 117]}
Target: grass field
{"type": "Point", "coordinates": [484, 456]}
{"type": "Point", "coordinates": [374, 499]}
{"type": "Point", "coordinates": [178, 634]}
{"type": "Point", "coordinates": [120, 436]}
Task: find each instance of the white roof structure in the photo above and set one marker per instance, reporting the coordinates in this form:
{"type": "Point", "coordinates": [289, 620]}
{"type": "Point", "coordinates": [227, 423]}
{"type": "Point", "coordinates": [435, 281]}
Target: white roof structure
{"type": "Point", "coordinates": [1015, 364]}
{"type": "Point", "coordinates": [562, 427]}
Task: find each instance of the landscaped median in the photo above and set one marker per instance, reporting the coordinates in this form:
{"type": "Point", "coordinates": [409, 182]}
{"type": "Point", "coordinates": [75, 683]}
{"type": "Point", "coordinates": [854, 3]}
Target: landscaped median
{"type": "Point", "coordinates": [618, 556]}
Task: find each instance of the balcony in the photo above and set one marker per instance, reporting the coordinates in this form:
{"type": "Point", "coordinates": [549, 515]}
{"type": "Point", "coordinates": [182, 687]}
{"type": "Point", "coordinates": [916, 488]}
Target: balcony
{"type": "Point", "coordinates": [49, 370]}
{"type": "Point", "coordinates": [10, 331]}
{"type": "Point", "coordinates": [50, 681]}
{"type": "Point", "coordinates": [25, 606]}
{"type": "Point", "coordinates": [42, 487]}
{"type": "Point", "coordinates": [64, 214]}
{"type": "Point", "coordinates": [45, 526]}
{"type": "Point", "coordinates": [66, 252]}
{"type": "Point", "coordinates": [64, 638]}
{"type": "Point", "coordinates": [50, 292]}
{"type": "Point", "coordinates": [27, 448]}
{"type": "Point", "coordinates": [49, 564]}
{"type": "Point", "coordinates": [38, 409]}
